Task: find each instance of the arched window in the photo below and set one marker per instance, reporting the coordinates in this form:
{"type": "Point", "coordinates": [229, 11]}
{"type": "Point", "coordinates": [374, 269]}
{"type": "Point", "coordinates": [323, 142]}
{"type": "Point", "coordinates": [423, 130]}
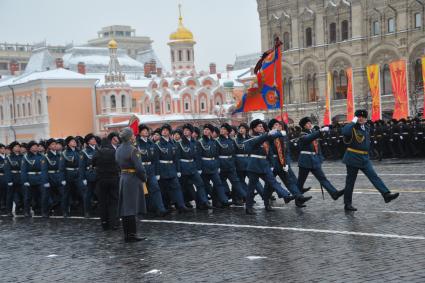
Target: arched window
{"type": "Point", "coordinates": [335, 84]}
{"type": "Point", "coordinates": [308, 37]}
{"type": "Point", "coordinates": [418, 20]}
{"type": "Point", "coordinates": [386, 80]}
{"type": "Point", "coordinates": [24, 111]}
{"type": "Point", "coordinates": [113, 103]}
{"type": "Point", "coordinates": [332, 33]}
{"type": "Point", "coordinates": [188, 55]}
{"type": "Point", "coordinates": [180, 56]}
{"type": "Point", "coordinates": [344, 30]}
{"type": "Point", "coordinates": [419, 83]}
{"type": "Point", "coordinates": [375, 28]}
{"type": "Point", "coordinates": [157, 105]}
{"type": "Point", "coordinates": [286, 41]}
{"type": "Point", "coordinates": [168, 104]}
{"type": "Point", "coordinates": [391, 25]}
{"type": "Point", "coordinates": [186, 104]}
{"type": "Point", "coordinates": [29, 109]}
{"type": "Point", "coordinates": [343, 85]}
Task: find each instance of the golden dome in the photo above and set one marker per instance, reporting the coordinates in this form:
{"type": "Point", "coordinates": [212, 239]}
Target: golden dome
{"type": "Point", "coordinates": [112, 44]}
{"type": "Point", "coordinates": [182, 33]}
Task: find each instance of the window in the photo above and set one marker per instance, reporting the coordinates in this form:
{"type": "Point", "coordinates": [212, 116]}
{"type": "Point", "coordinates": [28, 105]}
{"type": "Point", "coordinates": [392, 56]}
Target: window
{"type": "Point", "coordinates": [202, 106]}
{"type": "Point", "coordinates": [391, 25]}
{"type": "Point", "coordinates": [418, 20]}
{"type": "Point", "coordinates": [332, 33]}
{"type": "Point", "coordinates": [113, 102]}
{"type": "Point", "coordinates": [344, 30]}
{"type": "Point", "coordinates": [29, 109]}
{"type": "Point", "coordinates": [19, 110]}
{"type": "Point", "coordinates": [186, 106]}
{"type": "Point", "coordinates": [287, 83]}
{"type": "Point", "coordinates": [148, 109]}
{"type": "Point", "coordinates": [342, 85]}
{"type": "Point", "coordinates": [308, 37]}
{"type": "Point", "coordinates": [123, 101]}
{"type": "Point", "coordinates": [180, 56]}
{"type": "Point", "coordinates": [11, 111]}
{"type": "Point", "coordinates": [119, 33]}
{"type": "Point", "coordinates": [133, 103]}
{"type": "Point", "coordinates": [168, 105]}
{"type": "Point", "coordinates": [157, 106]}
{"type": "Point", "coordinates": [286, 43]}
{"type": "Point", "coordinates": [24, 112]}
{"type": "Point", "coordinates": [3, 66]}
{"type": "Point", "coordinates": [172, 56]}
{"type": "Point", "coordinates": [419, 83]}
{"type": "Point", "coordinates": [39, 107]}
{"type": "Point", "coordinates": [375, 28]}
{"type": "Point", "coordinates": [127, 33]}
{"type": "Point", "coordinates": [203, 103]}
{"type": "Point", "coordinates": [188, 55]}
{"type": "Point", "coordinates": [311, 88]}
{"type": "Point", "coordinates": [386, 80]}
{"type": "Point", "coordinates": [1, 113]}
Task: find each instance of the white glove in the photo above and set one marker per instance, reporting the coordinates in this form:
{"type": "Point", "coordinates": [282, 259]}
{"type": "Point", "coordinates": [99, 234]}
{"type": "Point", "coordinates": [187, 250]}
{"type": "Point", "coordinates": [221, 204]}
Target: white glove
{"type": "Point", "coordinates": [158, 177]}
{"type": "Point", "coordinates": [26, 184]}
{"type": "Point", "coordinates": [47, 185]}
{"type": "Point", "coordinates": [355, 119]}
{"type": "Point", "coordinates": [272, 132]}
{"type": "Point", "coordinates": [200, 172]}
{"type": "Point", "coordinates": [324, 129]}
{"type": "Point", "coordinates": [179, 174]}
{"type": "Point", "coordinates": [283, 133]}
{"type": "Point", "coordinates": [286, 168]}
{"type": "Point", "coordinates": [219, 170]}
{"type": "Point", "coordinates": [401, 137]}
{"type": "Point", "coordinates": [10, 184]}
{"type": "Point", "coordinates": [85, 182]}
{"type": "Point", "coordinates": [272, 168]}
{"type": "Point", "coordinates": [63, 183]}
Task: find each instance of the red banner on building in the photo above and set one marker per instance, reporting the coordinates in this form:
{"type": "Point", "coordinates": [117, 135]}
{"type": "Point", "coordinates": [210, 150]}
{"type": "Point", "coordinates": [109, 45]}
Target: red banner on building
{"type": "Point", "coordinates": [399, 84]}
{"type": "Point", "coordinates": [423, 78]}
{"type": "Point", "coordinates": [373, 78]}
{"type": "Point", "coordinates": [350, 96]}
{"type": "Point", "coordinates": [327, 115]}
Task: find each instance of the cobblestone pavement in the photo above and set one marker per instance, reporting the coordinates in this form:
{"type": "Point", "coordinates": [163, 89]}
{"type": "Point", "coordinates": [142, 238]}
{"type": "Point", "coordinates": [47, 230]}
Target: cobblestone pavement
{"type": "Point", "coordinates": [380, 242]}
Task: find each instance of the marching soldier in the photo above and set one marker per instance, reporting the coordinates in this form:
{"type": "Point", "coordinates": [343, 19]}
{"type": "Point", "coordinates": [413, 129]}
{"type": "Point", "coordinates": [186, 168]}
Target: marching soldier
{"type": "Point", "coordinates": [149, 158]}
{"type": "Point", "coordinates": [89, 172]}
{"type": "Point", "coordinates": [190, 173]}
{"type": "Point", "coordinates": [15, 191]}
{"type": "Point", "coordinates": [71, 164]}
{"type": "Point", "coordinates": [169, 169]}
{"type": "Point", "coordinates": [33, 175]}
{"type": "Point", "coordinates": [4, 177]}
{"type": "Point", "coordinates": [281, 163]}
{"type": "Point", "coordinates": [207, 157]}
{"type": "Point", "coordinates": [226, 152]}
{"type": "Point", "coordinates": [259, 166]}
{"type": "Point", "coordinates": [311, 159]}
{"type": "Point", "coordinates": [55, 177]}
{"type": "Point", "coordinates": [132, 177]}
{"type": "Point", "coordinates": [242, 157]}
{"type": "Point", "coordinates": [356, 157]}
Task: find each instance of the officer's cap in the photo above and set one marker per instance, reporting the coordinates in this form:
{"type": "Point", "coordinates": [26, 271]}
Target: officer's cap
{"type": "Point", "coordinates": [166, 126]}
{"type": "Point", "coordinates": [209, 126]}
{"type": "Point", "coordinates": [112, 135]}
{"type": "Point", "coordinates": [227, 127]}
{"type": "Point", "coordinates": [69, 139]}
{"type": "Point", "coordinates": [255, 123]}
{"type": "Point", "coordinates": [188, 126]}
{"type": "Point", "coordinates": [361, 113]}
{"type": "Point", "coordinates": [304, 121]}
{"type": "Point", "coordinates": [31, 144]}
{"type": "Point", "coordinates": [89, 137]}
{"type": "Point", "coordinates": [143, 127]}
{"type": "Point", "coordinates": [272, 122]}
{"type": "Point", "coordinates": [50, 141]}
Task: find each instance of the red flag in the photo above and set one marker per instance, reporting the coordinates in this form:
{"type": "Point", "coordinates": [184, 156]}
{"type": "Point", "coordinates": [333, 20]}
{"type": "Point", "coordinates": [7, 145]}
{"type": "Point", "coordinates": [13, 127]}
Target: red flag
{"type": "Point", "coordinates": [133, 123]}
{"type": "Point", "coordinates": [327, 115]}
{"type": "Point", "coordinates": [350, 96]}
{"type": "Point", "coordinates": [399, 84]}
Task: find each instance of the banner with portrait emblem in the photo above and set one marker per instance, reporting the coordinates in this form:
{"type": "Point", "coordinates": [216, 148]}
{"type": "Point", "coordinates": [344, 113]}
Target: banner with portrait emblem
{"type": "Point", "coordinates": [375, 91]}
{"type": "Point", "coordinates": [399, 86]}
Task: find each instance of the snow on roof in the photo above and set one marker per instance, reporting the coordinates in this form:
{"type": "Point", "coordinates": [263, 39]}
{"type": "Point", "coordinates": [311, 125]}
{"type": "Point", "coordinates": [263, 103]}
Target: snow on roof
{"type": "Point", "coordinates": [96, 60]}
{"type": "Point", "coordinates": [246, 61]}
{"type": "Point", "coordinates": [154, 118]}
{"type": "Point", "coordinates": [56, 74]}
{"type": "Point", "coordinates": [136, 83]}
{"type": "Point", "coordinates": [40, 60]}
{"type": "Point", "coordinates": [146, 56]}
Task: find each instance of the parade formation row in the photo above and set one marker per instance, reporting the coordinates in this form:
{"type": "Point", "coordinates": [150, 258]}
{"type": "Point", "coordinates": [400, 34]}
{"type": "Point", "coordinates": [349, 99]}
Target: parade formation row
{"type": "Point", "coordinates": [189, 166]}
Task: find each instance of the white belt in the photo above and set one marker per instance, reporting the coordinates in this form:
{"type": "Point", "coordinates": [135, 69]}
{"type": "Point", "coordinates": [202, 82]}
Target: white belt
{"type": "Point", "coordinates": [225, 156]}
{"type": "Point", "coordinates": [405, 133]}
{"type": "Point", "coordinates": [242, 155]}
{"type": "Point", "coordinates": [15, 171]}
{"type": "Point", "coordinates": [146, 163]}
{"type": "Point", "coordinates": [274, 155]}
{"type": "Point", "coordinates": [53, 171]}
{"type": "Point", "coordinates": [166, 161]}
{"type": "Point", "coordinates": [208, 158]}
{"type": "Point", "coordinates": [1, 174]}
{"type": "Point", "coordinates": [258, 156]}
{"type": "Point", "coordinates": [308, 152]}
{"type": "Point", "coordinates": [71, 169]}
{"type": "Point", "coordinates": [186, 160]}
{"type": "Point", "coordinates": [34, 173]}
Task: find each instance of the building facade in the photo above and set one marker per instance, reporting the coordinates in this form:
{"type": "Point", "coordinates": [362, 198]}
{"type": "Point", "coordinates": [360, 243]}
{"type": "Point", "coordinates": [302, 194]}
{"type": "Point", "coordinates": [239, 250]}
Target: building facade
{"type": "Point", "coordinates": [333, 35]}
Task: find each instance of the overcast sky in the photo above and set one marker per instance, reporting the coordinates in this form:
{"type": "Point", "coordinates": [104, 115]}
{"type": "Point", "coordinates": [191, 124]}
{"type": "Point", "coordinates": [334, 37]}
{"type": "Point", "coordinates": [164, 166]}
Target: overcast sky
{"type": "Point", "coordinates": [222, 28]}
